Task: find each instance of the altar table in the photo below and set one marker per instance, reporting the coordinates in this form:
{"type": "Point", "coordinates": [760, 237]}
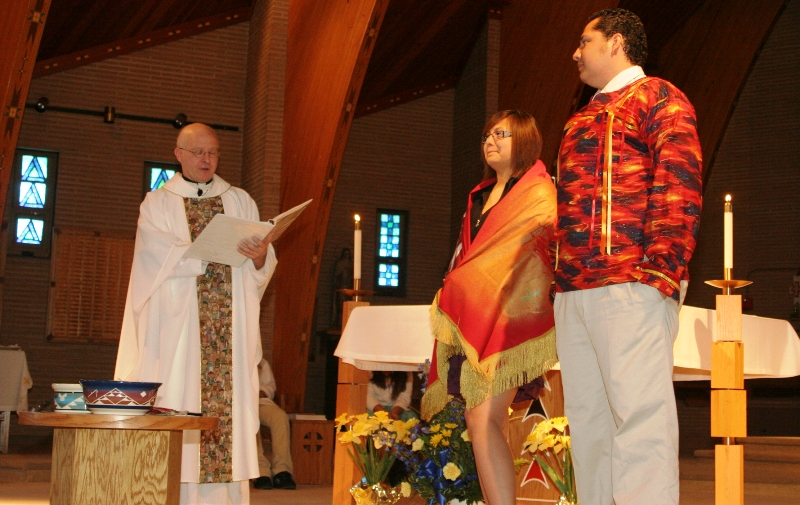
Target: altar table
{"type": "Point", "coordinates": [101, 459]}
{"type": "Point", "coordinates": [398, 337]}
{"type": "Point", "coordinates": [16, 380]}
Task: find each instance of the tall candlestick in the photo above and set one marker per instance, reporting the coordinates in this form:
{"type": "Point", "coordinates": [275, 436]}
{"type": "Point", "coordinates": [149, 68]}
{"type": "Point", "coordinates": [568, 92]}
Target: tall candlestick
{"type": "Point", "coordinates": [728, 222]}
{"type": "Point", "coordinates": [357, 250]}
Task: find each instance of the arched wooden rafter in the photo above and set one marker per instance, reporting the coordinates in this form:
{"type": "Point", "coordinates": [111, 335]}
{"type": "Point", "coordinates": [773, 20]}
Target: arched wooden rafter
{"type": "Point", "coordinates": [329, 46]}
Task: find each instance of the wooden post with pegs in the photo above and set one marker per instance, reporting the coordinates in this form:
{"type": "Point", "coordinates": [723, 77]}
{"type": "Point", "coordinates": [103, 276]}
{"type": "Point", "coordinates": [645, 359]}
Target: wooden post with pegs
{"type": "Point", "coordinates": [728, 396]}
{"type": "Point", "coordinates": [351, 398]}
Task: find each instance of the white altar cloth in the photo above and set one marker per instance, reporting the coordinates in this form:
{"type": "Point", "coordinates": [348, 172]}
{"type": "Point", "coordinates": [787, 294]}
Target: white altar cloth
{"type": "Point", "coordinates": [16, 380]}
{"type": "Point", "coordinates": [398, 337]}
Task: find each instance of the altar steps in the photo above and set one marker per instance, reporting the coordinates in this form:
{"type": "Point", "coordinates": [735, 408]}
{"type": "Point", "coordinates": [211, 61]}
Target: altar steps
{"type": "Point", "coordinates": [767, 460]}
{"type": "Point", "coordinates": [25, 467]}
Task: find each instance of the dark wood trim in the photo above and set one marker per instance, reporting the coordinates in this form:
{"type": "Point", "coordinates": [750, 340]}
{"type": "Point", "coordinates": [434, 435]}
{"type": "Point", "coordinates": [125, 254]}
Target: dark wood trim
{"type": "Point", "coordinates": [139, 42]}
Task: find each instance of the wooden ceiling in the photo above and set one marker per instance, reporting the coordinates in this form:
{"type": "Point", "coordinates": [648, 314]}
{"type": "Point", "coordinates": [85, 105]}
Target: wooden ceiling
{"type": "Point", "coordinates": [421, 49]}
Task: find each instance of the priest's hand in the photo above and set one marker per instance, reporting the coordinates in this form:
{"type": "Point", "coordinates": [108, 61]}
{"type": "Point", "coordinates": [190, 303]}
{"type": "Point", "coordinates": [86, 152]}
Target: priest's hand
{"type": "Point", "coordinates": [256, 249]}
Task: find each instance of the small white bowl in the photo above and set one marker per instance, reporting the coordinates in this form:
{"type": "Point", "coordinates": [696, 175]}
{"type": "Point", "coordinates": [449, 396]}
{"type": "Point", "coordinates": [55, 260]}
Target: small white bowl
{"type": "Point", "coordinates": [68, 399]}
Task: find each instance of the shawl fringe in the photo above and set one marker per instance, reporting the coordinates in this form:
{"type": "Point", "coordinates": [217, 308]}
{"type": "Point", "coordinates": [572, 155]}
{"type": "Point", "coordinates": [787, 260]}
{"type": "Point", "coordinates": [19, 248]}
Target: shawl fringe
{"type": "Point", "coordinates": [482, 380]}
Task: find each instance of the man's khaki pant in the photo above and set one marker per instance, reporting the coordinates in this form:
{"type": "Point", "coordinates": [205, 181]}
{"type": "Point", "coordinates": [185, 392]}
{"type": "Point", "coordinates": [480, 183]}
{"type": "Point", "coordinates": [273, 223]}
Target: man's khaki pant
{"type": "Point", "coordinates": [273, 417]}
{"type": "Point", "coordinates": [615, 348]}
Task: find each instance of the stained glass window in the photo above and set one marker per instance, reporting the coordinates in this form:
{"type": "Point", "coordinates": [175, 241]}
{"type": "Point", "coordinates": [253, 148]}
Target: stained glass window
{"type": "Point", "coordinates": [32, 207]}
{"type": "Point", "coordinates": [388, 275]}
{"type": "Point", "coordinates": [390, 261]}
{"type": "Point", "coordinates": [156, 173]}
{"type": "Point", "coordinates": [30, 231]}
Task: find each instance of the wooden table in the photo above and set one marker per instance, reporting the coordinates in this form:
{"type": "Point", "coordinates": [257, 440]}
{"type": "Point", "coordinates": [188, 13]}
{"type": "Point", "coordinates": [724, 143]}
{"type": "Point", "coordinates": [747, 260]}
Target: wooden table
{"type": "Point", "coordinates": [101, 459]}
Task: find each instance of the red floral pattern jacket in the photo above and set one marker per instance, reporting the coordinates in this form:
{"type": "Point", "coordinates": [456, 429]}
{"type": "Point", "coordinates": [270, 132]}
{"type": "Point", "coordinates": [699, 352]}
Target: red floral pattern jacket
{"type": "Point", "coordinates": [636, 218]}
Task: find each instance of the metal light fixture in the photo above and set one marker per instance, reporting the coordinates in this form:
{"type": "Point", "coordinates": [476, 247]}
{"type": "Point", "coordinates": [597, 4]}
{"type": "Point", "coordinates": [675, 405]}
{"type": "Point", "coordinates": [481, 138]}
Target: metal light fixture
{"type": "Point", "coordinates": [179, 121]}
{"type": "Point", "coordinates": [41, 104]}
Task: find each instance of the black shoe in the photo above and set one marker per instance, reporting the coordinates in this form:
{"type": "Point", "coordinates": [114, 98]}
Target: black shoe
{"type": "Point", "coordinates": [262, 483]}
{"type": "Point", "coordinates": [284, 480]}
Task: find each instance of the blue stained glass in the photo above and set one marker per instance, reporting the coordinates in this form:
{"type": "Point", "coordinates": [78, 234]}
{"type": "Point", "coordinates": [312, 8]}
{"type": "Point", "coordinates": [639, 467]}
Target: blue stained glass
{"type": "Point", "coordinates": [158, 176]}
{"type": "Point", "coordinates": [384, 218]}
{"type": "Point", "coordinates": [384, 239]}
{"type": "Point", "coordinates": [382, 267]}
{"type": "Point", "coordinates": [29, 231]}
{"type": "Point", "coordinates": [396, 219]}
{"type": "Point", "coordinates": [384, 231]}
{"type": "Point", "coordinates": [395, 269]}
{"type": "Point", "coordinates": [388, 275]}
{"type": "Point", "coordinates": [34, 168]}
{"type": "Point", "coordinates": [32, 194]}
{"type": "Point", "coordinates": [395, 254]}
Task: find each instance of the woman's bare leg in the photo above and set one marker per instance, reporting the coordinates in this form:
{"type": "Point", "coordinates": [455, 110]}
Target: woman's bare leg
{"type": "Point", "coordinates": [488, 429]}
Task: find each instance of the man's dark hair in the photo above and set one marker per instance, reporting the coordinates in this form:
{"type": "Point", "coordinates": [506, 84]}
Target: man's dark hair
{"type": "Point", "coordinates": [627, 24]}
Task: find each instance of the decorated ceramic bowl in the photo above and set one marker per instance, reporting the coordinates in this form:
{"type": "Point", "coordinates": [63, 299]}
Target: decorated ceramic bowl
{"type": "Point", "coordinates": [68, 399]}
{"type": "Point", "coordinates": [119, 397]}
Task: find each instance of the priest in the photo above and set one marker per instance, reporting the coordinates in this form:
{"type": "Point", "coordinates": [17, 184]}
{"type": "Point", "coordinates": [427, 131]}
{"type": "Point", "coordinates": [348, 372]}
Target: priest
{"type": "Point", "coordinates": [194, 325]}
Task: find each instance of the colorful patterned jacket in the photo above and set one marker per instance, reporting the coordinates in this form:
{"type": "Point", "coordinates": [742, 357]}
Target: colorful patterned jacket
{"type": "Point", "coordinates": [636, 218]}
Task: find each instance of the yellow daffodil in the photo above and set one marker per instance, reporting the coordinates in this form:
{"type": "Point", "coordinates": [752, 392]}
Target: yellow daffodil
{"type": "Point", "coordinates": [342, 419]}
{"type": "Point", "coordinates": [434, 428]}
{"type": "Point", "coordinates": [405, 489]}
{"type": "Point", "coordinates": [445, 442]}
{"type": "Point", "coordinates": [436, 439]}
{"type": "Point", "coordinates": [447, 433]}
{"type": "Point", "coordinates": [450, 426]}
{"type": "Point", "coordinates": [465, 436]}
{"type": "Point", "coordinates": [418, 444]}
{"type": "Point", "coordinates": [559, 423]}
{"type": "Point", "coordinates": [451, 471]}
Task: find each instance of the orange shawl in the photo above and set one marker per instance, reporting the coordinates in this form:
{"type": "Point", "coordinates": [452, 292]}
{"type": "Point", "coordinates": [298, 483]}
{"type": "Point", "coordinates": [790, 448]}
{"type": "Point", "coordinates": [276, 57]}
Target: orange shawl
{"type": "Point", "coordinates": [494, 307]}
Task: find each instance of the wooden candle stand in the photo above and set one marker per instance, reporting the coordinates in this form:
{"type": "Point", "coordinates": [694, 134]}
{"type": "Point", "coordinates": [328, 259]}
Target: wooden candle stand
{"type": "Point", "coordinates": [728, 397]}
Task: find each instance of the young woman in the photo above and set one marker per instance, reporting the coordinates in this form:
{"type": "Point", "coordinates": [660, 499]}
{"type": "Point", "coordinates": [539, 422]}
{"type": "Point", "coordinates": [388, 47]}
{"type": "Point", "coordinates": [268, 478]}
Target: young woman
{"type": "Point", "coordinates": [493, 318]}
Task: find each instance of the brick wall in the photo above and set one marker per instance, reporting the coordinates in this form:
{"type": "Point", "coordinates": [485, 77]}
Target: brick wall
{"type": "Point", "coordinates": [398, 159]}
{"type": "Point", "coordinates": [473, 105]}
{"type": "Point", "coordinates": [263, 126]}
{"type": "Point", "coordinates": [101, 168]}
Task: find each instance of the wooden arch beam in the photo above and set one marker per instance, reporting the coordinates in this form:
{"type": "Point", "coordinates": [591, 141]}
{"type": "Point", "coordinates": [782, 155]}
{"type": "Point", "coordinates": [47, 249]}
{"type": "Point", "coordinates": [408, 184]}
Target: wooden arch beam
{"type": "Point", "coordinates": [329, 46]}
{"type": "Point", "coordinates": [23, 22]}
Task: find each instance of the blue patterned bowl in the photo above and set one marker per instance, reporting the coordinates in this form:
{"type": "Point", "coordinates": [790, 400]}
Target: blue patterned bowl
{"type": "Point", "coordinates": [119, 397]}
{"type": "Point", "coordinates": [68, 399]}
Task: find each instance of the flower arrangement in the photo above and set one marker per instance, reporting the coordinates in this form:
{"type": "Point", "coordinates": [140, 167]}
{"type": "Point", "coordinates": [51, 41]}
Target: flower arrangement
{"type": "Point", "coordinates": [373, 438]}
{"type": "Point", "coordinates": [438, 457]}
{"type": "Point", "coordinates": [550, 446]}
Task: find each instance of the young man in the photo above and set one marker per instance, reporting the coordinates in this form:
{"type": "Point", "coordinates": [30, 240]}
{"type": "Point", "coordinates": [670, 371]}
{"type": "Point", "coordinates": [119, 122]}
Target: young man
{"type": "Point", "coordinates": [629, 198]}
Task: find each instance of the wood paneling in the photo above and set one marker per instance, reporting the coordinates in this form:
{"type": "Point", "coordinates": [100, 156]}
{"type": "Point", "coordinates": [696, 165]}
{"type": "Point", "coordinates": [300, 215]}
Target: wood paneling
{"type": "Point", "coordinates": [537, 73]}
{"type": "Point", "coordinates": [329, 46]}
{"type": "Point", "coordinates": [710, 57]}
{"type": "Point", "coordinates": [23, 22]}
{"type": "Point", "coordinates": [88, 285]}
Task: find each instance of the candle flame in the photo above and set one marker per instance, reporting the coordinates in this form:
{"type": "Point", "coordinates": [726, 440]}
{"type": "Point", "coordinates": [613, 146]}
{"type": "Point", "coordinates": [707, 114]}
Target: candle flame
{"type": "Point", "coordinates": [357, 218]}
{"type": "Point", "coordinates": [727, 198]}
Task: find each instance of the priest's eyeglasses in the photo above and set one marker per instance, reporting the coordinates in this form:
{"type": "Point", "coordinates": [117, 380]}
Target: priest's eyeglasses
{"type": "Point", "coordinates": [200, 153]}
{"type": "Point", "coordinates": [497, 135]}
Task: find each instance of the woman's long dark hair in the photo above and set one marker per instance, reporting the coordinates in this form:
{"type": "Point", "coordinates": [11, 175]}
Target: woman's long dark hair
{"type": "Point", "coordinates": [398, 381]}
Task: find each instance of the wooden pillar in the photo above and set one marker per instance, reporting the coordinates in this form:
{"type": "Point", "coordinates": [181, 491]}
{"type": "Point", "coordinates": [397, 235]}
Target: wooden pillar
{"type": "Point", "coordinates": [351, 398]}
{"type": "Point", "coordinates": [728, 401]}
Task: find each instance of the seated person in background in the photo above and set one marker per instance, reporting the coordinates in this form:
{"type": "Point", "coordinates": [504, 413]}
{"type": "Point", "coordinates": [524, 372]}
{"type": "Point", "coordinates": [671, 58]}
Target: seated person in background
{"type": "Point", "coordinates": [274, 418]}
{"type": "Point", "coordinates": [391, 391]}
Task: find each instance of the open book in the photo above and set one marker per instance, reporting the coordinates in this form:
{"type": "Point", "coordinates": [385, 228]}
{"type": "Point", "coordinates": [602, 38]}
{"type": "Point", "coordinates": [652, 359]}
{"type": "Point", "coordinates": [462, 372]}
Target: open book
{"type": "Point", "coordinates": [218, 241]}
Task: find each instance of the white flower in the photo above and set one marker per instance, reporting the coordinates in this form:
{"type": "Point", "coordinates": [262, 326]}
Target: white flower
{"type": "Point", "coordinates": [405, 489]}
